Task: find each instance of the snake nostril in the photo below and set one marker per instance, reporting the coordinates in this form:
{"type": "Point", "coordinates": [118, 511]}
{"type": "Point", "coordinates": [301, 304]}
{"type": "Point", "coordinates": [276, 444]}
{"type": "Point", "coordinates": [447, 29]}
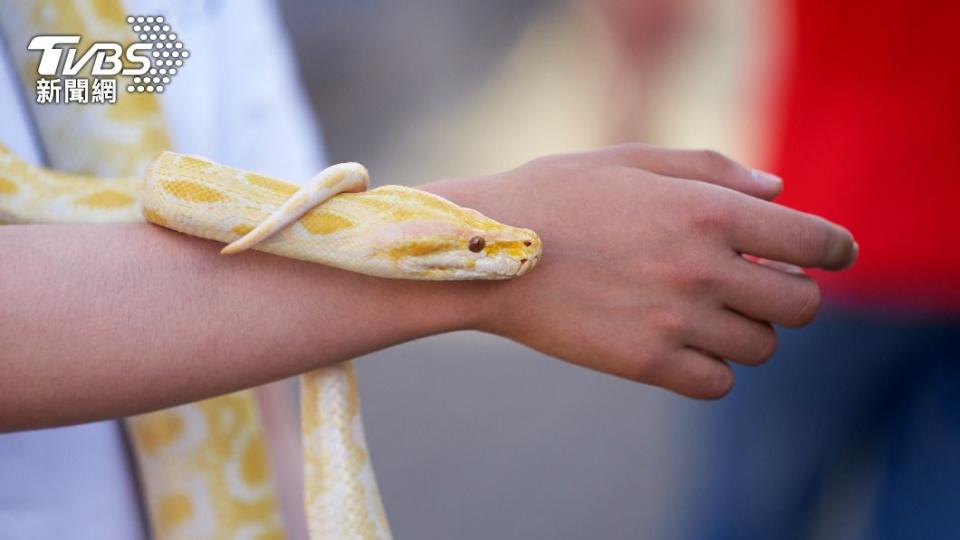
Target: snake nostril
{"type": "Point", "coordinates": [523, 261]}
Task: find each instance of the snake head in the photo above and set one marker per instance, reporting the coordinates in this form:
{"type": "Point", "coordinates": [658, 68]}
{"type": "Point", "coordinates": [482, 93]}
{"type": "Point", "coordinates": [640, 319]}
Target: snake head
{"type": "Point", "coordinates": [449, 242]}
{"type": "Point", "coordinates": [458, 252]}
{"type": "Point", "coordinates": [504, 252]}
{"type": "Point", "coordinates": [500, 252]}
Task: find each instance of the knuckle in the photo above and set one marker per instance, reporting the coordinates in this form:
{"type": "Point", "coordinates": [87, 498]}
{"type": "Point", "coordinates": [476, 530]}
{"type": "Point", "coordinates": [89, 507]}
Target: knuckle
{"type": "Point", "coordinates": [671, 323]}
{"type": "Point", "coordinates": [812, 241]}
{"type": "Point", "coordinates": [639, 146]}
{"type": "Point", "coordinates": [711, 216]}
{"type": "Point", "coordinates": [548, 161]}
{"type": "Point", "coordinates": [716, 162]}
{"type": "Point", "coordinates": [766, 346]}
{"type": "Point", "coordinates": [645, 367]}
{"type": "Point", "coordinates": [632, 148]}
{"type": "Point", "coordinates": [556, 161]}
{"type": "Point", "coordinates": [807, 304]}
{"type": "Point", "coordinates": [695, 278]}
{"type": "Point", "coordinates": [638, 371]}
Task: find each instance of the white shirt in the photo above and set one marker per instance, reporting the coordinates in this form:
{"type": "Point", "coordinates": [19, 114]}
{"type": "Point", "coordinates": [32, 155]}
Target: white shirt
{"type": "Point", "coordinates": [236, 101]}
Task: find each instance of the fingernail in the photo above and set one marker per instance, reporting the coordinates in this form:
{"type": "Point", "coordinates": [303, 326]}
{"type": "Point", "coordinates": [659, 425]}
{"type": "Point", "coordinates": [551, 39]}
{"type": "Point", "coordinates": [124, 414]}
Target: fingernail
{"type": "Point", "coordinates": [768, 179]}
{"type": "Point", "coordinates": [853, 256]}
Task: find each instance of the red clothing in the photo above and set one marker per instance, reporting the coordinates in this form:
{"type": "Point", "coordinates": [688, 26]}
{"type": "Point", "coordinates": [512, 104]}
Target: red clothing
{"type": "Point", "coordinates": [870, 138]}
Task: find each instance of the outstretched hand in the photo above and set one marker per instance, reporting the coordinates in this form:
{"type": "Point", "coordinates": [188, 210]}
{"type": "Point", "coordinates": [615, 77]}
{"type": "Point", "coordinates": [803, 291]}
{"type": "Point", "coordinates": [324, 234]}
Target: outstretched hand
{"type": "Point", "coordinates": [644, 274]}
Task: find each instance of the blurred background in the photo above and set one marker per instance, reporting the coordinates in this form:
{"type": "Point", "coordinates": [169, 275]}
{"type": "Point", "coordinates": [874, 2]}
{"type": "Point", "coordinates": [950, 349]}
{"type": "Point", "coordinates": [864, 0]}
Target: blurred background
{"type": "Point", "coordinates": [474, 437]}
{"type": "Point", "coordinates": [429, 89]}
{"type": "Point", "coordinates": [852, 431]}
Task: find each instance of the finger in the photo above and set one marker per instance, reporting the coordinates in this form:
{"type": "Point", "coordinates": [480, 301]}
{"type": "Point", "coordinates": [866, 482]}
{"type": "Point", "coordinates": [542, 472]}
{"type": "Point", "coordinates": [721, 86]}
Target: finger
{"type": "Point", "coordinates": [782, 234]}
{"type": "Point", "coordinates": [732, 336]}
{"type": "Point", "coordinates": [704, 165]}
{"type": "Point", "coordinates": [776, 265]}
{"type": "Point", "coordinates": [767, 294]}
{"type": "Point", "coordinates": [694, 374]}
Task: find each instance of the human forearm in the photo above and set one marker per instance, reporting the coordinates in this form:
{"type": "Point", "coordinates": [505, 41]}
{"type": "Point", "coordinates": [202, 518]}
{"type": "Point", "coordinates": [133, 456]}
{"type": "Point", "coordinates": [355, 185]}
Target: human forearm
{"type": "Point", "coordinates": [643, 276]}
{"type": "Point", "coordinates": [103, 321]}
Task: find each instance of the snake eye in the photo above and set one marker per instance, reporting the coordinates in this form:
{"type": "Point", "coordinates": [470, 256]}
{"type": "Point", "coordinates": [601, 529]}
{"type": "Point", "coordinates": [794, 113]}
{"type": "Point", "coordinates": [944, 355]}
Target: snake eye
{"type": "Point", "coordinates": [476, 244]}
{"type": "Point", "coordinates": [527, 243]}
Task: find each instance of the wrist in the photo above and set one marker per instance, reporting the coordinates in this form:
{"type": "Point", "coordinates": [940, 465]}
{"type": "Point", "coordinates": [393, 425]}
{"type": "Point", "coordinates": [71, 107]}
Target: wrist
{"type": "Point", "coordinates": [484, 305]}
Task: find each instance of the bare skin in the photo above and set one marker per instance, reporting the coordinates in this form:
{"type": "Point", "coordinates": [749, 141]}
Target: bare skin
{"type": "Point", "coordinates": [641, 278]}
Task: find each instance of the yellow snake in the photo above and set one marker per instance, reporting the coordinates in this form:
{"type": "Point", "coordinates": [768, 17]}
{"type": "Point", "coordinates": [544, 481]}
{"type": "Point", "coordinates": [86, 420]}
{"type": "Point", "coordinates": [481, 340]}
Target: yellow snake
{"type": "Point", "coordinates": [203, 465]}
{"type": "Point", "coordinates": [391, 231]}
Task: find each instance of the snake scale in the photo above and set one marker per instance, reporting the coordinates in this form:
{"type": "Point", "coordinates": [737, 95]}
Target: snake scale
{"type": "Point", "coordinates": [204, 465]}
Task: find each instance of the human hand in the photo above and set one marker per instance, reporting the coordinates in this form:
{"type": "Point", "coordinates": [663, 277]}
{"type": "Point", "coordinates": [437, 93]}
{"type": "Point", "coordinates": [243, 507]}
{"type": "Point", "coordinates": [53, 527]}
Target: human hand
{"type": "Point", "coordinates": [643, 274]}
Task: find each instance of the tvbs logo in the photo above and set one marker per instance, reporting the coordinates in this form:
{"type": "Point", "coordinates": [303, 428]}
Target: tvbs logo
{"type": "Point", "coordinates": [149, 62]}
{"type": "Point", "coordinates": [107, 57]}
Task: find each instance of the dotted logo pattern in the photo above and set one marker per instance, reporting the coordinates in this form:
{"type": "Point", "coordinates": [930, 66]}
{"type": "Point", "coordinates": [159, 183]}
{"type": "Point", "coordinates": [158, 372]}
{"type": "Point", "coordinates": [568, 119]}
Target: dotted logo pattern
{"type": "Point", "coordinates": [167, 56]}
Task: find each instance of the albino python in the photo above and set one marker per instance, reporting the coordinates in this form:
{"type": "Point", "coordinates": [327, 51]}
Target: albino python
{"type": "Point", "coordinates": [203, 465]}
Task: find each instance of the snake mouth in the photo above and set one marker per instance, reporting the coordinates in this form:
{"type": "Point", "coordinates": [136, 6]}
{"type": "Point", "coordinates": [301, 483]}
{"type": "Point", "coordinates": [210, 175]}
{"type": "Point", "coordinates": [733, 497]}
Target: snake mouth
{"type": "Point", "coordinates": [526, 264]}
{"type": "Point", "coordinates": [469, 266]}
